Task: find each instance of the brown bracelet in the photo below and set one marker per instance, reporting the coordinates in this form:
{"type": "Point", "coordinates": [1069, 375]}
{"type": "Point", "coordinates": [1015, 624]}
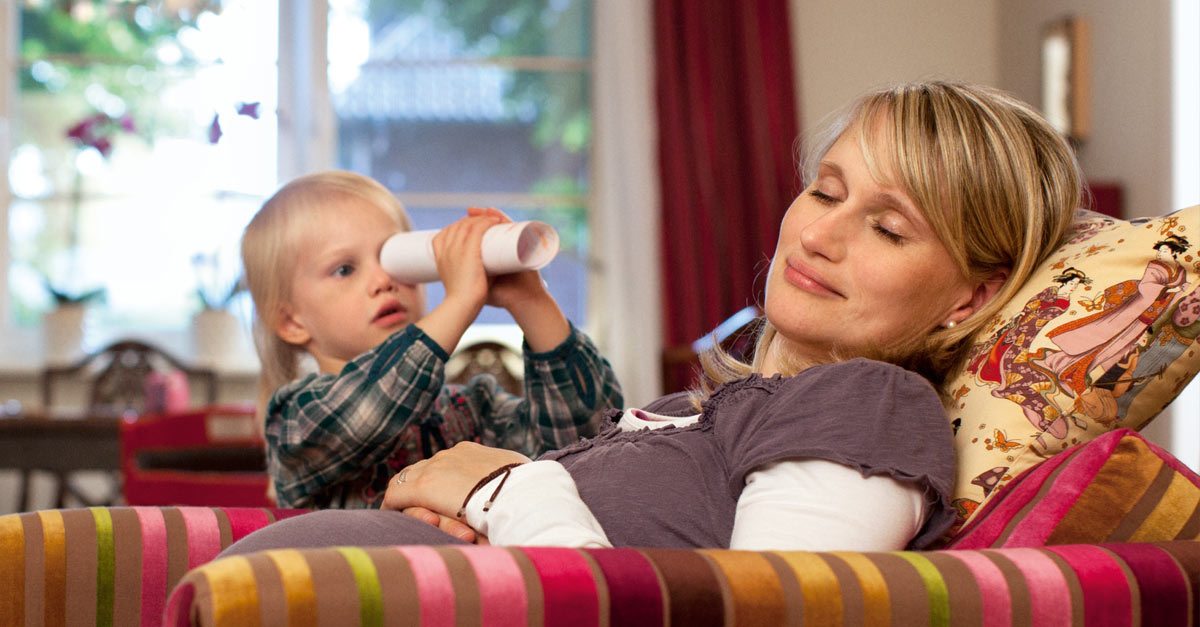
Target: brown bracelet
{"type": "Point", "coordinates": [503, 470]}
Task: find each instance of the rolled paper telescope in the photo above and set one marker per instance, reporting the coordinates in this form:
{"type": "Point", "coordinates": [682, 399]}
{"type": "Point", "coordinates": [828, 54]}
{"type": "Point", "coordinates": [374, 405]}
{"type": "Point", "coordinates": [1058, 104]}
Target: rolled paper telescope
{"type": "Point", "coordinates": [512, 247]}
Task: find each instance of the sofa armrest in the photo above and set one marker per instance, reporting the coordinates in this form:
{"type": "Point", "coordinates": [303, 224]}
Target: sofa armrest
{"type": "Point", "coordinates": [110, 565]}
{"type": "Point", "coordinates": [1112, 584]}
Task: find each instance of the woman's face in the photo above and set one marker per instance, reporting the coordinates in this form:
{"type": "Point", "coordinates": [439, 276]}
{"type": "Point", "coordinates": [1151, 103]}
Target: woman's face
{"type": "Point", "coordinates": [857, 265]}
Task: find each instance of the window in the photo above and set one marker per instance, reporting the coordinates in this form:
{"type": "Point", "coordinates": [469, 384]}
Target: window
{"type": "Point", "coordinates": [176, 141]}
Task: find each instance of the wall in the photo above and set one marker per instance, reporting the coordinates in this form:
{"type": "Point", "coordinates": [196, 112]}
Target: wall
{"type": "Point", "coordinates": [844, 48]}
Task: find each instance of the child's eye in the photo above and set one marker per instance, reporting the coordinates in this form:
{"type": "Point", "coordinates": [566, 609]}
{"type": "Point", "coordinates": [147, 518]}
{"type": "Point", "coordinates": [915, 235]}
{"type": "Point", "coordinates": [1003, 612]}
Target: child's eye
{"type": "Point", "coordinates": [344, 269]}
{"type": "Point", "coordinates": [887, 234]}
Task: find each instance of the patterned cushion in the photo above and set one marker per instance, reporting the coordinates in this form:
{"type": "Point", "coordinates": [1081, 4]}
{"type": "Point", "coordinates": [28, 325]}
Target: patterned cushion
{"type": "Point", "coordinates": [1101, 337]}
{"type": "Point", "coordinates": [1116, 488]}
{"type": "Point", "coordinates": [1124, 584]}
{"type": "Point", "coordinates": [109, 566]}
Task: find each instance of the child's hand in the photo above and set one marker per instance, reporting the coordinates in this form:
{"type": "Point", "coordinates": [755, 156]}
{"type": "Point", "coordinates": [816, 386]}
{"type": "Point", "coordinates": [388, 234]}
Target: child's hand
{"type": "Point", "coordinates": [457, 249]}
{"type": "Point", "coordinates": [507, 290]}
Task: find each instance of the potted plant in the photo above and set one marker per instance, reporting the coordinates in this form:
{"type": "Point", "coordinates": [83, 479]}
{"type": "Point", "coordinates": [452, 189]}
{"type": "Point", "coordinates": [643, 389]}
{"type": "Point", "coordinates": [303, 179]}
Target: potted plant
{"type": "Point", "coordinates": [63, 326]}
{"type": "Point", "coordinates": [215, 329]}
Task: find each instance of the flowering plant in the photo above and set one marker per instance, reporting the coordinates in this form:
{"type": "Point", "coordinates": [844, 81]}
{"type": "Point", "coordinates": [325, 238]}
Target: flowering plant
{"type": "Point", "coordinates": [213, 286]}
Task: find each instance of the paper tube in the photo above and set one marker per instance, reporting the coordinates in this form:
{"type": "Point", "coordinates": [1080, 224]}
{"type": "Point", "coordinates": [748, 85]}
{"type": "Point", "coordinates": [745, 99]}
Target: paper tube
{"type": "Point", "coordinates": [512, 247]}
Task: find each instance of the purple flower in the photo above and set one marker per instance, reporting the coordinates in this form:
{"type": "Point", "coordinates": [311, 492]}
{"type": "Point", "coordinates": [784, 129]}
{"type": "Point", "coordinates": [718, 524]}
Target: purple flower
{"type": "Point", "coordinates": [249, 109]}
{"type": "Point", "coordinates": [214, 130]}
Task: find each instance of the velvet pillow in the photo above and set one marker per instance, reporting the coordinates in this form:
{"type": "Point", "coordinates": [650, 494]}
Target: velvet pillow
{"type": "Point", "coordinates": [1101, 337]}
{"type": "Point", "coordinates": [1116, 488]}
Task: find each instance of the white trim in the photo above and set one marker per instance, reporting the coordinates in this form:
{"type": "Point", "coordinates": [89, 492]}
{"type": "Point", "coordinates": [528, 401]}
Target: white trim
{"type": "Point", "coordinates": [625, 302]}
{"type": "Point", "coordinates": [9, 24]}
{"type": "Point", "coordinates": [1185, 187]}
{"type": "Point", "coordinates": [307, 129]}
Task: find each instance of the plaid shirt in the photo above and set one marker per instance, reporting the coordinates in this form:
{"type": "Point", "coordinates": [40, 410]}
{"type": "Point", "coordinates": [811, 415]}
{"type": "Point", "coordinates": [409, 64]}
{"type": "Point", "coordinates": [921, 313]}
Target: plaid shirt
{"type": "Point", "coordinates": [335, 440]}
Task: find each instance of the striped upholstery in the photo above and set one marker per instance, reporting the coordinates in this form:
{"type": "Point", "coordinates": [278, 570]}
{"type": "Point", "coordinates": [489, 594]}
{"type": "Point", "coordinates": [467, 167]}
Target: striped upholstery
{"type": "Point", "coordinates": [1116, 488]}
{"type": "Point", "coordinates": [1117, 584]}
{"type": "Point", "coordinates": [109, 566]}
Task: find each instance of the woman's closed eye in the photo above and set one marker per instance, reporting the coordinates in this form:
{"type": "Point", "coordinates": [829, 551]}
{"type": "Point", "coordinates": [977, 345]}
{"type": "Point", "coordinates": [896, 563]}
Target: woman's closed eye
{"type": "Point", "coordinates": [887, 233]}
{"type": "Point", "coordinates": [822, 197]}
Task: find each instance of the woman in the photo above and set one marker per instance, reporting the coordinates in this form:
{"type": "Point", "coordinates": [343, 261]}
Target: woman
{"type": "Point", "coordinates": [926, 207]}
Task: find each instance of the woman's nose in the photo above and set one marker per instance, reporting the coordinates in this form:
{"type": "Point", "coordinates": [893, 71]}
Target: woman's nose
{"type": "Point", "coordinates": [825, 234]}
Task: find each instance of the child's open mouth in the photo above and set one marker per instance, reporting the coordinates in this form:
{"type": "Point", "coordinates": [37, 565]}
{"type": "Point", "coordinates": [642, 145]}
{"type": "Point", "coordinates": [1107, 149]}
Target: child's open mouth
{"type": "Point", "coordinates": [391, 314]}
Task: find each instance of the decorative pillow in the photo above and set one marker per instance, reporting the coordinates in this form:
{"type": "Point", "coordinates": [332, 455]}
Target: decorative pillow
{"type": "Point", "coordinates": [1101, 337]}
{"type": "Point", "coordinates": [1116, 488]}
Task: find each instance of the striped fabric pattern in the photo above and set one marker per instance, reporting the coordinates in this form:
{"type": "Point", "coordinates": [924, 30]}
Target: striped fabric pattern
{"type": "Point", "coordinates": [1120, 487]}
{"type": "Point", "coordinates": [109, 566]}
{"type": "Point", "coordinates": [1112, 584]}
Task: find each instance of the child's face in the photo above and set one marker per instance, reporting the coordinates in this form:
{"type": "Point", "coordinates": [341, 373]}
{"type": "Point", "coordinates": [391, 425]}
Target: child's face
{"type": "Point", "coordinates": [343, 303]}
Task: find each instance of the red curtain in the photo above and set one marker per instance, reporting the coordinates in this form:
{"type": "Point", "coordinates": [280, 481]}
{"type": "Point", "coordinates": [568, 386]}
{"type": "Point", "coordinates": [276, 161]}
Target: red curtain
{"type": "Point", "coordinates": [727, 126]}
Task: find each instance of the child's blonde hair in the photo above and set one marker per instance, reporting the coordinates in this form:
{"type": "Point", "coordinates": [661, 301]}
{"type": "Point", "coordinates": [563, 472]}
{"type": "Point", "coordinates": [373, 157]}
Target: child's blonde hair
{"type": "Point", "coordinates": [995, 181]}
{"type": "Point", "coordinates": [270, 247]}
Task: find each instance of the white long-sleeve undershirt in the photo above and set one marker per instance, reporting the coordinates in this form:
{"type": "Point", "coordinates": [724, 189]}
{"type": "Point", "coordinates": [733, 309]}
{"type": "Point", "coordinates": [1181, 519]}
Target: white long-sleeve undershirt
{"type": "Point", "coordinates": [795, 504]}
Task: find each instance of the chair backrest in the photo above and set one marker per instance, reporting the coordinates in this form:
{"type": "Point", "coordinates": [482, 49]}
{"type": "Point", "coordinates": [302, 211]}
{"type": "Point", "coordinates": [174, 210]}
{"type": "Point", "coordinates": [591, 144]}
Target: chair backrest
{"type": "Point", "coordinates": [494, 358]}
{"type": "Point", "coordinates": [211, 456]}
{"type": "Point", "coordinates": [116, 375]}
{"type": "Point", "coordinates": [680, 364]}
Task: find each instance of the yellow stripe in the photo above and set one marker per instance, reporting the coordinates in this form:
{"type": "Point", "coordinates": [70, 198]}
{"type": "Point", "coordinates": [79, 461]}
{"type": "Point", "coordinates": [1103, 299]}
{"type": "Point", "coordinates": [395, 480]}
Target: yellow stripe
{"type": "Point", "coordinates": [54, 544]}
{"type": "Point", "coordinates": [370, 594]}
{"type": "Point", "coordinates": [234, 595]}
{"type": "Point", "coordinates": [758, 598]}
{"type": "Point", "coordinates": [12, 571]}
{"type": "Point", "coordinates": [935, 587]}
{"type": "Point", "coordinates": [877, 603]}
{"type": "Point", "coordinates": [298, 588]}
{"type": "Point", "coordinates": [1172, 512]}
{"type": "Point", "coordinates": [819, 585]}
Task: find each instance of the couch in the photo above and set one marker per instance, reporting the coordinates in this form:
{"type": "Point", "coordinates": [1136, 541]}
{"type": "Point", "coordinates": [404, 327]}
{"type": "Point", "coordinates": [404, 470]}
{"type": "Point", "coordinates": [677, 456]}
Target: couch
{"type": "Point", "coordinates": [1067, 514]}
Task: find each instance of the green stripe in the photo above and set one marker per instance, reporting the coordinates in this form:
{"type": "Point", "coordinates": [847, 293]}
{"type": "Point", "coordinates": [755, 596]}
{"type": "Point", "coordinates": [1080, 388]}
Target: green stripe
{"type": "Point", "coordinates": [105, 566]}
{"type": "Point", "coordinates": [370, 595]}
{"type": "Point", "coordinates": [935, 587]}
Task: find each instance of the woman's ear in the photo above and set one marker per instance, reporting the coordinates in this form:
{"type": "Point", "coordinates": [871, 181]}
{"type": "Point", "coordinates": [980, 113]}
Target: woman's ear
{"type": "Point", "coordinates": [290, 329]}
{"type": "Point", "coordinates": [984, 291]}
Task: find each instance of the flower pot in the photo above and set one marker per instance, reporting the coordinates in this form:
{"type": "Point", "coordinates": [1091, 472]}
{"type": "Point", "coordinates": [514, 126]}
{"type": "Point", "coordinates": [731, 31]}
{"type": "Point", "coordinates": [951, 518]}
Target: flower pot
{"type": "Point", "coordinates": [214, 337]}
{"type": "Point", "coordinates": [62, 333]}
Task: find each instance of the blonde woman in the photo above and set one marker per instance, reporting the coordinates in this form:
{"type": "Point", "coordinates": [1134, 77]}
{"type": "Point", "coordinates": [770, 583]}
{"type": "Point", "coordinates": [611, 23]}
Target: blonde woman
{"type": "Point", "coordinates": [377, 400]}
{"type": "Point", "coordinates": [926, 207]}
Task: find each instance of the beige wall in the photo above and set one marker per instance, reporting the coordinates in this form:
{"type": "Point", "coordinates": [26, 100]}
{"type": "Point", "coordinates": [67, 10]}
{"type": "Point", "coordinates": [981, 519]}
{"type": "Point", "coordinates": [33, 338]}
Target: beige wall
{"type": "Point", "coordinates": [844, 47]}
{"type": "Point", "coordinates": [1131, 88]}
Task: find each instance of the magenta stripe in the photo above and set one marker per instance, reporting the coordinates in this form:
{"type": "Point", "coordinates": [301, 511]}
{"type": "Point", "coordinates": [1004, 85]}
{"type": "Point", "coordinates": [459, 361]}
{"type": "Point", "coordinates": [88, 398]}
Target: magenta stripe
{"type": "Point", "coordinates": [993, 588]}
{"type": "Point", "coordinates": [635, 594]}
{"type": "Point", "coordinates": [1049, 595]}
{"type": "Point", "coordinates": [501, 585]}
{"type": "Point", "coordinates": [1163, 585]}
{"type": "Point", "coordinates": [154, 563]}
{"type": "Point", "coordinates": [243, 520]}
{"type": "Point", "coordinates": [569, 586]}
{"type": "Point", "coordinates": [1105, 586]}
{"type": "Point", "coordinates": [203, 534]}
{"type": "Point", "coordinates": [434, 588]}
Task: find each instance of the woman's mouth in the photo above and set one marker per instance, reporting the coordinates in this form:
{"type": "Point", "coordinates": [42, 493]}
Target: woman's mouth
{"type": "Point", "coordinates": [390, 315]}
{"type": "Point", "coordinates": [807, 279]}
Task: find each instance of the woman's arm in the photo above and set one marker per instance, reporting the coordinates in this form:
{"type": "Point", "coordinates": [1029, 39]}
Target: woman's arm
{"type": "Point", "coordinates": [537, 504]}
{"type": "Point", "coordinates": [818, 505]}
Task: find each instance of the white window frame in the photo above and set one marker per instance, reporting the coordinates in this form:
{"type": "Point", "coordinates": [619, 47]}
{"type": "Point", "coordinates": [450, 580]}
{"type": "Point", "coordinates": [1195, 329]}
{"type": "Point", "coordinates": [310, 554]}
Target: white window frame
{"type": "Point", "coordinates": [624, 301]}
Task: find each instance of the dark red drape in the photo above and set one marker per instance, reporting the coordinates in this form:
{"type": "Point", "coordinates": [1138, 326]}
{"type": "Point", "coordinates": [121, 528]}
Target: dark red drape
{"type": "Point", "coordinates": [727, 126]}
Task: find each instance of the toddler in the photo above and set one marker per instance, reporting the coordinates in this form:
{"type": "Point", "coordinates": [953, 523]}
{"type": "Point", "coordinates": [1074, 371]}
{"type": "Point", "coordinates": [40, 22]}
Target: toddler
{"type": "Point", "coordinates": [378, 401]}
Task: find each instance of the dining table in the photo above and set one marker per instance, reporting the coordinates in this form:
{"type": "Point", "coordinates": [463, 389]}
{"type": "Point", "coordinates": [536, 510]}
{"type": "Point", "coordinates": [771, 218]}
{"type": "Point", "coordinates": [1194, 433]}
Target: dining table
{"type": "Point", "coordinates": [61, 442]}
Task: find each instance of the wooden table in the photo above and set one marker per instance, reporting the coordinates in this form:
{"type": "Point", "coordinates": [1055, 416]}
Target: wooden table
{"type": "Point", "coordinates": [59, 442]}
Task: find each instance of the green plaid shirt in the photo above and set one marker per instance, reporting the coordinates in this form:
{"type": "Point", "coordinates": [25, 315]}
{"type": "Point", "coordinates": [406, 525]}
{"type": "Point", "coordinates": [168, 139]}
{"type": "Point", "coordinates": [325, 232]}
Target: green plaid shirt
{"type": "Point", "coordinates": [335, 440]}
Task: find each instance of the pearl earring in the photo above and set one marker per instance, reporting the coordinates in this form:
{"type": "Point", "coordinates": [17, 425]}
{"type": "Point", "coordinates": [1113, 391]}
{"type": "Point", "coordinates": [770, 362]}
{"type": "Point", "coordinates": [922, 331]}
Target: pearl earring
{"type": "Point", "coordinates": [951, 324]}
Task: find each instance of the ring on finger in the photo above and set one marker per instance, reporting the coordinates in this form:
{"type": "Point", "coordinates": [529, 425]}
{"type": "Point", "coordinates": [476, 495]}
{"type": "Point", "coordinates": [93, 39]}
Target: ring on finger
{"type": "Point", "coordinates": [400, 477]}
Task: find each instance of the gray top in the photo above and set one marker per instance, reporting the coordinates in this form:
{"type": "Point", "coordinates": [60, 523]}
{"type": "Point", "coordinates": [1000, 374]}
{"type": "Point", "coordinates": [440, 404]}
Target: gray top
{"type": "Point", "coordinates": [678, 486]}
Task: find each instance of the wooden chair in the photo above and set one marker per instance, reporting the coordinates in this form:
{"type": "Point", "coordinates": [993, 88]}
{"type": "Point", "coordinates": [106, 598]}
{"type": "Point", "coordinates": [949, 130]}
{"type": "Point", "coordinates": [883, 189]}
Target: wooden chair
{"type": "Point", "coordinates": [207, 457]}
{"type": "Point", "coordinates": [493, 358]}
{"type": "Point", "coordinates": [680, 364]}
{"type": "Point", "coordinates": [115, 381]}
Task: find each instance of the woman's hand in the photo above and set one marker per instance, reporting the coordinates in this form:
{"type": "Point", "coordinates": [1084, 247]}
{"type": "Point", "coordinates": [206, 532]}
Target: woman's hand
{"type": "Point", "coordinates": [452, 526]}
{"type": "Point", "coordinates": [441, 483]}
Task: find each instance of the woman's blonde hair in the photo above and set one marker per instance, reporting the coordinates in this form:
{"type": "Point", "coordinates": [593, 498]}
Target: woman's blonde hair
{"type": "Point", "coordinates": [271, 245]}
{"type": "Point", "coordinates": [995, 181]}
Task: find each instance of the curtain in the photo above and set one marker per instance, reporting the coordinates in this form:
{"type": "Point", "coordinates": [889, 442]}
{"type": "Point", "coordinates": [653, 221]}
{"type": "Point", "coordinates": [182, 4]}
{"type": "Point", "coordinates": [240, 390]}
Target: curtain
{"type": "Point", "coordinates": [727, 126]}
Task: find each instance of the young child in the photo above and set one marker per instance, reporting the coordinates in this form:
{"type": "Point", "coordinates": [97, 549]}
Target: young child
{"type": "Point", "coordinates": [379, 402]}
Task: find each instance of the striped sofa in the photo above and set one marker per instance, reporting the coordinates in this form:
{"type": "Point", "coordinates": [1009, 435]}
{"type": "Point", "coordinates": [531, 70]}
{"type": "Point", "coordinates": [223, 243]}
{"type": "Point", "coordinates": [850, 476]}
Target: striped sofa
{"type": "Point", "coordinates": [1103, 534]}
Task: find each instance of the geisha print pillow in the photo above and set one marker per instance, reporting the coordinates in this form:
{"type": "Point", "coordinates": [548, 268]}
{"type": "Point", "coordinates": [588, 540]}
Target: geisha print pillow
{"type": "Point", "coordinates": [1102, 336]}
